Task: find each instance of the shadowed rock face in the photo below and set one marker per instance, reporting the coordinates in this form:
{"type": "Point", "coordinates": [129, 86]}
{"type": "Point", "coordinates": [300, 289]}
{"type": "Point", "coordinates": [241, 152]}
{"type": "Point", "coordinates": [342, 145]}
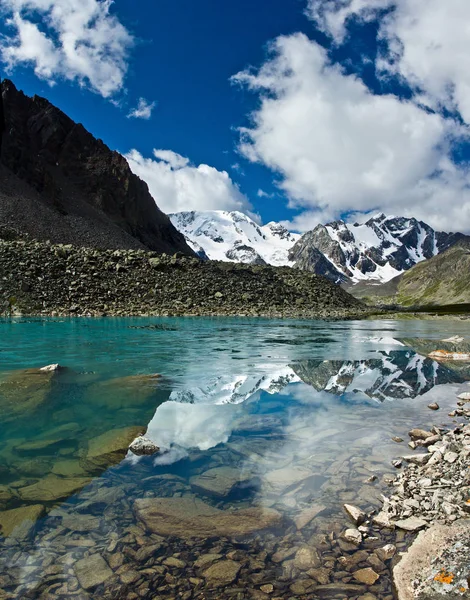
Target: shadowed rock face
{"type": "Point", "coordinates": [62, 184]}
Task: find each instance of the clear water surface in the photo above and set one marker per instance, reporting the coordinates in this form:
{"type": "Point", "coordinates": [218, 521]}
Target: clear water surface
{"type": "Point", "coordinates": [265, 427]}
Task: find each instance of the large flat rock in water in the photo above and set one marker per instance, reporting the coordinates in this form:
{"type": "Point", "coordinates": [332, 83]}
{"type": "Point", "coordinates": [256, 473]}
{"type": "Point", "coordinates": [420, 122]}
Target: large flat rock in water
{"type": "Point", "coordinates": [92, 571]}
{"type": "Point", "coordinates": [190, 517]}
{"type": "Point", "coordinates": [22, 392]}
{"type": "Point", "coordinates": [53, 488]}
{"type": "Point", "coordinates": [437, 565]}
{"type": "Point", "coordinates": [109, 448]}
{"type": "Point", "coordinates": [281, 479]}
{"type": "Point", "coordinates": [20, 522]}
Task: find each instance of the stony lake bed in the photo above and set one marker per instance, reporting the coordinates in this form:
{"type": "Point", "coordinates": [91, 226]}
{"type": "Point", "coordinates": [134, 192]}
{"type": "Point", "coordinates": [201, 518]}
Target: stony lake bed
{"type": "Point", "coordinates": [266, 429]}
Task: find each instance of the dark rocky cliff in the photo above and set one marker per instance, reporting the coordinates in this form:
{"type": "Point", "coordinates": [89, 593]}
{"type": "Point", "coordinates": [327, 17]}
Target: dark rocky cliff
{"type": "Point", "coordinates": [57, 182]}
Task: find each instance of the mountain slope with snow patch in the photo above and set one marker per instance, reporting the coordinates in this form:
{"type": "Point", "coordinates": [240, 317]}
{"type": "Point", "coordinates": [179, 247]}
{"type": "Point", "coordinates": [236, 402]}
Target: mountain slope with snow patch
{"type": "Point", "coordinates": [372, 252]}
{"type": "Point", "coordinates": [375, 251]}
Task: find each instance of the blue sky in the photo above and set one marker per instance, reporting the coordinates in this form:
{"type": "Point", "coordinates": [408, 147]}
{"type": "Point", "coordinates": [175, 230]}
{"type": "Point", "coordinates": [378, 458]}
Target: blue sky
{"type": "Point", "coordinates": [348, 107]}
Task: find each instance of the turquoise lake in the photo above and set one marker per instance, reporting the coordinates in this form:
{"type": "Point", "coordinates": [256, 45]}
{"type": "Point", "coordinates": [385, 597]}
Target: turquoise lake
{"type": "Point", "coordinates": [265, 427]}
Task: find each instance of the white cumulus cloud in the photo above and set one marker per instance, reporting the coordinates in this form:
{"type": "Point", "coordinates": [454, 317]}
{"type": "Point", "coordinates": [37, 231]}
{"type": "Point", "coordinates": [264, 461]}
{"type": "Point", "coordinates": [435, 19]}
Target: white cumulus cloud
{"type": "Point", "coordinates": [428, 43]}
{"type": "Point", "coordinates": [339, 147]}
{"type": "Point", "coordinates": [143, 110]}
{"type": "Point", "coordinates": [65, 39]}
{"type": "Point", "coordinates": [177, 185]}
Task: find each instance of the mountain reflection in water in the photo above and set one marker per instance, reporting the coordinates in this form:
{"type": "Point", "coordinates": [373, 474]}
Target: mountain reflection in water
{"type": "Point", "coordinates": [262, 442]}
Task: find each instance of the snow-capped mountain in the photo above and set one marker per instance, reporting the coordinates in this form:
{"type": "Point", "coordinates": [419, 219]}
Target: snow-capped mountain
{"type": "Point", "coordinates": [235, 237]}
{"type": "Point", "coordinates": [375, 251]}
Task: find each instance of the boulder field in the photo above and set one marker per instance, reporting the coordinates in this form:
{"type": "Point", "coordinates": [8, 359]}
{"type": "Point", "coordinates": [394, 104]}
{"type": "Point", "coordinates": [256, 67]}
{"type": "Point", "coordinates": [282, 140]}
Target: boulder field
{"type": "Point", "coordinates": [40, 278]}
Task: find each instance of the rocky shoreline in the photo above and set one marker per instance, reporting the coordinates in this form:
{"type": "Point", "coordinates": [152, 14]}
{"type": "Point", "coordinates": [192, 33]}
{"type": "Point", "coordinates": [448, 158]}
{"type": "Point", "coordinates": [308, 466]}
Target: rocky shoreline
{"type": "Point", "coordinates": [431, 496]}
{"type": "Point", "coordinates": [43, 279]}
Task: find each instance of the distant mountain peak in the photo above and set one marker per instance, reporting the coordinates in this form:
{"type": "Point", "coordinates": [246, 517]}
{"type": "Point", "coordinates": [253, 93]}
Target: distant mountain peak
{"type": "Point", "coordinates": [377, 250]}
{"type": "Point", "coordinates": [235, 237]}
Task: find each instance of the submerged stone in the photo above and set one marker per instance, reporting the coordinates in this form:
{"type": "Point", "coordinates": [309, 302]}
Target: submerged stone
{"type": "Point", "coordinates": [306, 558]}
{"type": "Point", "coordinates": [281, 479]}
{"type": "Point", "coordinates": [222, 573]}
{"type": "Point", "coordinates": [81, 523]}
{"type": "Point", "coordinates": [122, 392]}
{"type": "Point", "coordinates": [52, 488]}
{"type": "Point", "coordinates": [92, 571]}
{"type": "Point", "coordinates": [189, 517]}
{"type": "Point", "coordinates": [68, 468]}
{"type": "Point", "coordinates": [109, 448]}
{"type": "Point", "coordinates": [39, 447]}
{"type": "Point", "coordinates": [367, 576]}
{"type": "Point", "coordinates": [308, 514]}
{"type": "Point", "coordinates": [220, 481]}
{"type": "Point", "coordinates": [20, 522]}
{"type": "Point", "coordinates": [22, 392]}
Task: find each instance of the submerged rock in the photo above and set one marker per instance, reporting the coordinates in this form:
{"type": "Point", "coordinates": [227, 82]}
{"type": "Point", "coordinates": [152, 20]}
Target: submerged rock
{"type": "Point", "coordinates": [92, 571]}
{"type": "Point", "coordinates": [48, 446]}
{"type": "Point", "coordinates": [109, 448]}
{"type": "Point", "coordinates": [306, 558]}
{"type": "Point", "coordinates": [281, 479]}
{"type": "Point", "coordinates": [52, 488]}
{"type": "Point", "coordinates": [222, 573]}
{"type": "Point", "coordinates": [367, 576]}
{"type": "Point", "coordinates": [219, 482]}
{"type": "Point", "coordinates": [22, 392]}
{"type": "Point", "coordinates": [20, 522]}
{"type": "Point", "coordinates": [189, 517]}
{"type": "Point", "coordinates": [68, 468]}
{"type": "Point", "coordinates": [122, 392]}
{"type": "Point", "coordinates": [143, 446]}
{"type": "Point", "coordinates": [308, 514]}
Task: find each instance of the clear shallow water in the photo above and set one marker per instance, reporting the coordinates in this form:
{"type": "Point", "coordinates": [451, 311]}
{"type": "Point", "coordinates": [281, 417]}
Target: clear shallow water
{"type": "Point", "coordinates": [262, 415]}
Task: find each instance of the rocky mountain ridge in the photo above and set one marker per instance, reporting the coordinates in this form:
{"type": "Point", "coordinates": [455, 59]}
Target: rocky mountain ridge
{"type": "Point", "coordinates": [59, 183]}
{"type": "Point", "coordinates": [441, 280]}
{"type": "Point", "coordinates": [375, 251]}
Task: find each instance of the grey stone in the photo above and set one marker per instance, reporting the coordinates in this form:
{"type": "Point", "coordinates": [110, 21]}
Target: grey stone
{"type": "Point", "coordinates": [92, 571]}
{"type": "Point", "coordinates": [222, 573]}
{"type": "Point", "coordinates": [357, 515]}
{"type": "Point", "coordinates": [189, 517]}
